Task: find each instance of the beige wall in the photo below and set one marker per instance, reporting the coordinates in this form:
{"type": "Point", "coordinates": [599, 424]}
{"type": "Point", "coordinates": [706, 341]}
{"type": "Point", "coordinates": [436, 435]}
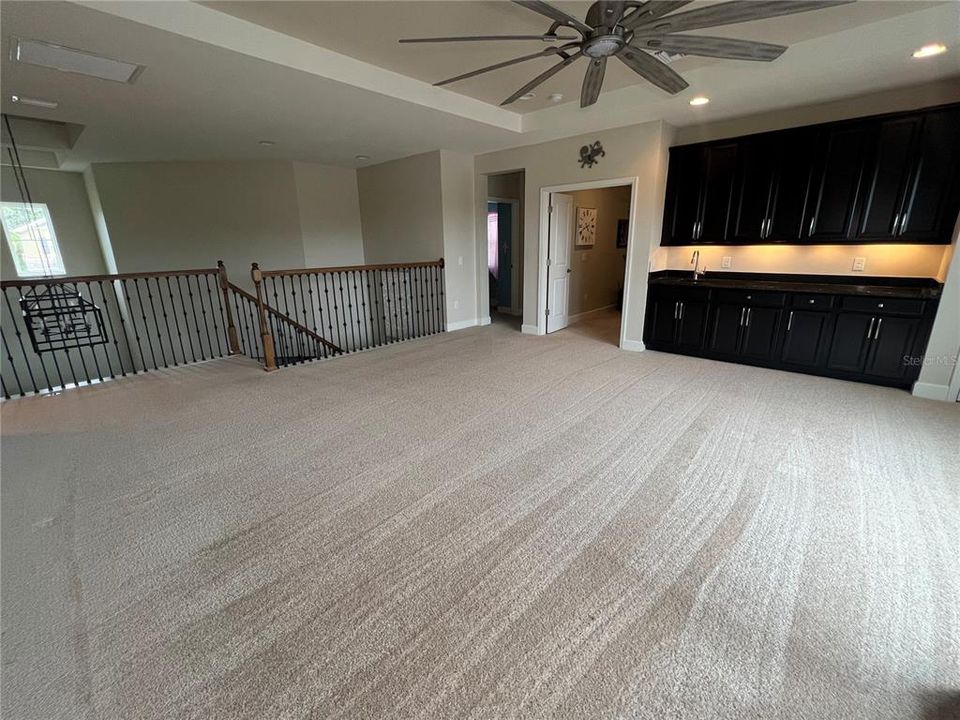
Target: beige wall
{"type": "Point", "coordinates": [458, 240]}
{"type": "Point", "coordinates": [596, 276]}
{"type": "Point", "coordinates": [329, 204]}
{"type": "Point", "coordinates": [636, 151]}
{"type": "Point", "coordinates": [66, 198]}
{"type": "Point", "coordinates": [401, 209]}
{"type": "Point", "coordinates": [940, 364]}
{"type": "Point", "coordinates": [178, 215]}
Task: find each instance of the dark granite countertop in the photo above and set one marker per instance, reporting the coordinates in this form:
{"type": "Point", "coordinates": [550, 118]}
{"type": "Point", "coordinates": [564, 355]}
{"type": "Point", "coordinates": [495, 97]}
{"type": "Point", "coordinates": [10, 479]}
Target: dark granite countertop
{"type": "Point", "coordinates": [918, 289]}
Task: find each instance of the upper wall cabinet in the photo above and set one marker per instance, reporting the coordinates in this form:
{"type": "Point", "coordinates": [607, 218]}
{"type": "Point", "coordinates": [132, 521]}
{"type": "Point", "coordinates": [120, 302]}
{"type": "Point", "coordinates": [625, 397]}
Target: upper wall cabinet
{"type": "Point", "coordinates": [886, 179]}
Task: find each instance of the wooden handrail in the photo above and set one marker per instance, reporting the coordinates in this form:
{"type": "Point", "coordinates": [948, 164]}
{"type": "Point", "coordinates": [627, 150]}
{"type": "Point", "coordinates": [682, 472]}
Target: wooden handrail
{"type": "Point", "coordinates": [59, 280]}
{"type": "Point", "coordinates": [345, 268]}
{"type": "Point", "coordinates": [286, 318]}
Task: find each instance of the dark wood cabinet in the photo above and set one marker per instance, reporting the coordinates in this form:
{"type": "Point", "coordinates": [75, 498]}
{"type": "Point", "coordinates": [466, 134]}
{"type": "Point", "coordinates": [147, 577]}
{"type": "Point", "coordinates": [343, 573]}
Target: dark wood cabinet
{"type": "Point", "coordinates": [803, 338]}
{"type": "Point", "coordinates": [933, 193]}
{"type": "Point", "coordinates": [868, 338]}
{"type": "Point", "coordinates": [700, 183]}
{"type": "Point", "coordinates": [892, 178]}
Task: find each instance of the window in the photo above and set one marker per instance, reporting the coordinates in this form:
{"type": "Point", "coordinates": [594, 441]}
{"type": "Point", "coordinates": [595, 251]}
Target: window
{"type": "Point", "coordinates": [31, 238]}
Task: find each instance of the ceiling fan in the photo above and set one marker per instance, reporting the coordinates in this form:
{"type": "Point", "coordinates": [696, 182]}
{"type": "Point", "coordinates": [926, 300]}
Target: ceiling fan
{"type": "Point", "coordinates": [632, 31]}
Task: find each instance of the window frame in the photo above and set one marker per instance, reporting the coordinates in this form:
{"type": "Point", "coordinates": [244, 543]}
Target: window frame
{"type": "Point", "coordinates": [26, 273]}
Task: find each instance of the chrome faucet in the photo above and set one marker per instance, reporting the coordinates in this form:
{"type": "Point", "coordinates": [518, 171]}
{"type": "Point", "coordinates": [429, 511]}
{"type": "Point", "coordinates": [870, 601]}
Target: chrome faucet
{"type": "Point", "coordinates": [695, 261]}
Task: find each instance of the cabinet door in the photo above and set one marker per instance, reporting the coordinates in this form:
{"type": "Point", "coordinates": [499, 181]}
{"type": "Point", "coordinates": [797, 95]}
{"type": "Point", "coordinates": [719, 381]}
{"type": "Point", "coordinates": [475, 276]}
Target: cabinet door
{"type": "Point", "coordinates": [725, 329]}
{"type": "Point", "coordinates": [754, 183]}
{"type": "Point", "coordinates": [692, 324]}
{"type": "Point", "coordinates": [682, 207]}
{"type": "Point", "coordinates": [836, 183]}
{"type": "Point", "coordinates": [933, 196]}
{"type": "Point", "coordinates": [791, 186]}
{"type": "Point", "coordinates": [716, 194]}
{"type": "Point", "coordinates": [760, 330]}
{"type": "Point", "coordinates": [804, 338]}
{"type": "Point", "coordinates": [849, 345]}
{"type": "Point", "coordinates": [887, 178]}
{"type": "Point", "coordinates": [893, 340]}
{"type": "Point", "coordinates": [662, 325]}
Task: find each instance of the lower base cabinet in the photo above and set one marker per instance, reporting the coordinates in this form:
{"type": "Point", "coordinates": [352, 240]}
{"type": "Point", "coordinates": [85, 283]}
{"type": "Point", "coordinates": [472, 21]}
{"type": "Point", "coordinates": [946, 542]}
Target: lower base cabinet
{"type": "Point", "coordinates": [858, 338]}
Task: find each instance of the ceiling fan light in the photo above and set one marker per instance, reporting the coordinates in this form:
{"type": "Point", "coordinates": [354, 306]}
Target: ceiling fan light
{"type": "Point", "coordinates": [699, 100]}
{"type": "Point", "coordinates": [930, 50]}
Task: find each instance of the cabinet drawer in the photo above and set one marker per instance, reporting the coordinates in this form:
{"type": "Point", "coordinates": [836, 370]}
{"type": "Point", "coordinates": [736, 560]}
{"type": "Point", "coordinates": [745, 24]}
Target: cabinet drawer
{"type": "Point", "coordinates": [811, 301]}
{"type": "Point", "coordinates": [679, 292]}
{"type": "Point", "coordinates": [895, 306]}
{"type": "Point", "coordinates": [752, 297]}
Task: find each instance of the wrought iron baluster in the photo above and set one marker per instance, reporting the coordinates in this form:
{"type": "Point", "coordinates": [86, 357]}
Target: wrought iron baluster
{"type": "Point", "coordinates": [133, 322]}
{"type": "Point", "coordinates": [443, 300]}
{"type": "Point", "coordinates": [156, 324]}
{"type": "Point", "coordinates": [104, 310]}
{"type": "Point", "coordinates": [342, 318]}
{"type": "Point", "coordinates": [358, 310]}
{"type": "Point", "coordinates": [186, 319]}
{"type": "Point", "coordinates": [13, 368]}
{"type": "Point", "coordinates": [222, 305]}
{"type": "Point", "coordinates": [176, 322]}
{"type": "Point", "coordinates": [16, 319]}
{"type": "Point", "coordinates": [196, 318]}
{"type": "Point", "coordinates": [113, 332]}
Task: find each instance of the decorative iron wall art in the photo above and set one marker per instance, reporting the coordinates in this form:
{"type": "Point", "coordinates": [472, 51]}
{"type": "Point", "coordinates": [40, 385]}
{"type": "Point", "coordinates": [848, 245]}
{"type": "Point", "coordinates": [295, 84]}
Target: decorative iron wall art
{"type": "Point", "coordinates": [59, 318]}
{"type": "Point", "coordinates": [590, 153]}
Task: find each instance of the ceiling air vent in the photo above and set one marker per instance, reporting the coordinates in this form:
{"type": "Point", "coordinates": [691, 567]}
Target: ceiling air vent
{"type": "Point", "coordinates": [36, 52]}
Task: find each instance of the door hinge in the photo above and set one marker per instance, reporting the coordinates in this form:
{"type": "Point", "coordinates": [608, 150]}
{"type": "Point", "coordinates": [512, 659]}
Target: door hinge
{"type": "Point", "coordinates": [549, 208]}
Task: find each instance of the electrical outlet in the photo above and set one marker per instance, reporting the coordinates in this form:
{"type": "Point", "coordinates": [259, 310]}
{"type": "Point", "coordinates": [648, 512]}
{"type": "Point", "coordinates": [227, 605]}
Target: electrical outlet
{"type": "Point", "coordinates": [726, 261]}
{"type": "Point", "coordinates": [859, 264]}
{"type": "Point", "coordinates": [460, 260]}
{"type": "Point", "coordinates": [456, 304]}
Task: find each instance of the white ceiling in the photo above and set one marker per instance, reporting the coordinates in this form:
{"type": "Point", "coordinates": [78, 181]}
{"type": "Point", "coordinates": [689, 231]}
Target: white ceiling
{"type": "Point", "coordinates": [335, 25]}
{"type": "Point", "coordinates": [304, 76]}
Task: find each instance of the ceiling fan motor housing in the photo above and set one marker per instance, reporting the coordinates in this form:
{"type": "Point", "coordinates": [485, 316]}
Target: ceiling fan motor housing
{"type": "Point", "coordinates": [605, 43]}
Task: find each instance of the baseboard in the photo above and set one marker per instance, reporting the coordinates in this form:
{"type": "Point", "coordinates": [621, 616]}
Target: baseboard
{"type": "Point", "coordinates": [633, 345]}
{"type": "Point", "coordinates": [579, 316]}
{"type": "Point", "coordinates": [529, 329]}
{"type": "Point", "coordinates": [931, 391]}
{"type": "Point", "coordinates": [464, 324]}
{"type": "Point", "coordinates": [484, 320]}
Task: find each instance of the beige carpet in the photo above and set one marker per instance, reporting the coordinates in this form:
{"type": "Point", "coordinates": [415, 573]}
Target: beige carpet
{"type": "Point", "coordinates": [482, 524]}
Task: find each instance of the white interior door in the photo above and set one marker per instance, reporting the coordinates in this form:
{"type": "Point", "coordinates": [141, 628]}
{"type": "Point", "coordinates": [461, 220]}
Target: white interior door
{"type": "Point", "coordinates": [558, 261]}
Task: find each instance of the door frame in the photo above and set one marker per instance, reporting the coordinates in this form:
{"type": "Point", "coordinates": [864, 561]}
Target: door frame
{"type": "Point", "coordinates": [516, 255]}
{"type": "Point", "coordinates": [544, 239]}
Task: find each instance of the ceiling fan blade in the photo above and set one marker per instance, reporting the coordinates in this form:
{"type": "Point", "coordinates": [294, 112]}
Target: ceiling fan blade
{"type": "Point", "coordinates": [592, 81]}
{"type": "Point", "coordinates": [653, 70]}
{"type": "Point", "coordinates": [507, 63]}
{"type": "Point", "coordinates": [717, 47]}
{"type": "Point", "coordinates": [542, 77]}
{"type": "Point", "coordinates": [484, 38]}
{"type": "Point", "coordinates": [732, 12]}
{"type": "Point", "coordinates": [554, 14]}
{"type": "Point", "coordinates": [652, 10]}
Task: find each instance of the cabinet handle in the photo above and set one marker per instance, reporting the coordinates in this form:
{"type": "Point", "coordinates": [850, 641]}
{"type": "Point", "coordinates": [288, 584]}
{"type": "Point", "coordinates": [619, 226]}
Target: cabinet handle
{"type": "Point", "coordinates": [870, 329]}
{"type": "Point", "coordinates": [676, 309]}
{"type": "Point", "coordinates": [896, 222]}
{"type": "Point", "coordinates": [749, 312]}
{"type": "Point", "coordinates": [813, 222]}
{"type": "Point", "coordinates": [681, 311]}
{"type": "Point", "coordinates": [876, 332]}
{"type": "Point", "coordinates": [743, 312]}
{"type": "Point", "coordinates": [903, 223]}
{"type": "Point", "coordinates": [790, 321]}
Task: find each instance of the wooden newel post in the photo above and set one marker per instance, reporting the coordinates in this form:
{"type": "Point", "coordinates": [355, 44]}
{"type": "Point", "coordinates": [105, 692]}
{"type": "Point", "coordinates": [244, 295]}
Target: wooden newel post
{"type": "Point", "coordinates": [232, 339]}
{"type": "Point", "coordinates": [269, 359]}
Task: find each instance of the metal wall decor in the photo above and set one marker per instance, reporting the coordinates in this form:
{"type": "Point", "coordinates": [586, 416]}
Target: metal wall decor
{"type": "Point", "coordinates": [59, 318]}
{"type": "Point", "coordinates": [590, 153]}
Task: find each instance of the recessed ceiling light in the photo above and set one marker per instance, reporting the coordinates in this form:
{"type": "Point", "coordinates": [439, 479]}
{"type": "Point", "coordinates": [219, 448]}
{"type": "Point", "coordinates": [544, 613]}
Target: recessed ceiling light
{"type": "Point", "coordinates": [35, 102]}
{"type": "Point", "coordinates": [699, 100]}
{"type": "Point", "coordinates": [528, 96]}
{"type": "Point", "coordinates": [361, 158]}
{"type": "Point", "coordinates": [35, 52]}
{"type": "Point", "coordinates": [930, 50]}
{"type": "Point", "coordinates": [556, 97]}
{"type": "Point", "coordinates": [266, 143]}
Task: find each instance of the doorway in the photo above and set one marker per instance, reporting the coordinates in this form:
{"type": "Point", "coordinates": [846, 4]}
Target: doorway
{"type": "Point", "coordinates": [505, 247]}
{"type": "Point", "coordinates": [586, 259]}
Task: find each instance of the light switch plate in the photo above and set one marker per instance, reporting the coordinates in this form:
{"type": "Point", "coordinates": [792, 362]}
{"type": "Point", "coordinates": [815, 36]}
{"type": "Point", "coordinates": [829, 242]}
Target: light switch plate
{"type": "Point", "coordinates": [859, 264]}
{"type": "Point", "coordinates": [726, 261]}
